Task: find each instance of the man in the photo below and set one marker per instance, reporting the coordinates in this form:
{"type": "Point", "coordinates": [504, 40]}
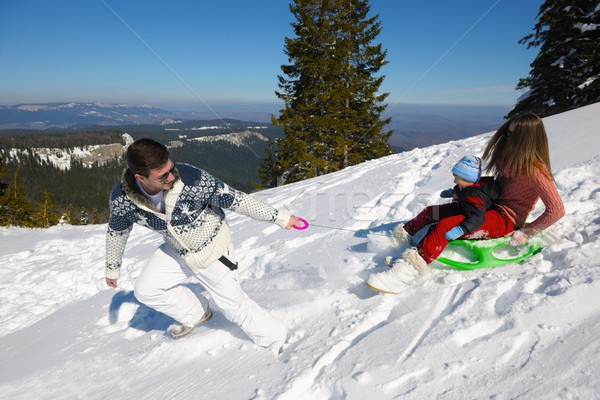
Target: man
{"type": "Point", "coordinates": [185, 204]}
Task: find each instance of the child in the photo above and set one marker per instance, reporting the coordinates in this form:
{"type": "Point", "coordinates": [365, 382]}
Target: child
{"type": "Point", "coordinates": [473, 196]}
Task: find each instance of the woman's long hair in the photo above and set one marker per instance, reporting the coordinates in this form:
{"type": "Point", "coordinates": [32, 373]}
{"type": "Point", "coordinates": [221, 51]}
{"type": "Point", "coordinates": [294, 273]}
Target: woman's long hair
{"type": "Point", "coordinates": [520, 151]}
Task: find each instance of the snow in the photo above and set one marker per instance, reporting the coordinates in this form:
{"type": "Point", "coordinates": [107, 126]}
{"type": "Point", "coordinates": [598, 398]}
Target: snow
{"type": "Point", "coordinates": [519, 331]}
{"type": "Point", "coordinates": [586, 27]}
{"type": "Point", "coordinates": [33, 107]}
{"type": "Point", "coordinates": [62, 158]}
{"type": "Point", "coordinates": [170, 121]}
{"type": "Point", "coordinates": [203, 128]}
{"type": "Point", "coordinates": [236, 138]}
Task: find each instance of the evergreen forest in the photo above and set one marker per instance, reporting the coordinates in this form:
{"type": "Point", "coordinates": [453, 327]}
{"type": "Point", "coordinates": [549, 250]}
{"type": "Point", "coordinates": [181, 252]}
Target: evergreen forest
{"type": "Point", "coordinates": [37, 193]}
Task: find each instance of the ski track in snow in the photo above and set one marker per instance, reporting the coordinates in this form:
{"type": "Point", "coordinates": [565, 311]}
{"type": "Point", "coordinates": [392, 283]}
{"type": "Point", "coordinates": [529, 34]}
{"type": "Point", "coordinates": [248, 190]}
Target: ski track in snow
{"type": "Point", "coordinates": [532, 327]}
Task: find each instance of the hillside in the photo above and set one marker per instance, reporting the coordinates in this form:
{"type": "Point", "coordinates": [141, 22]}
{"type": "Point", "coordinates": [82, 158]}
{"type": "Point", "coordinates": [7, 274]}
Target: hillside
{"type": "Point", "coordinates": [80, 168]}
{"type": "Point", "coordinates": [520, 331]}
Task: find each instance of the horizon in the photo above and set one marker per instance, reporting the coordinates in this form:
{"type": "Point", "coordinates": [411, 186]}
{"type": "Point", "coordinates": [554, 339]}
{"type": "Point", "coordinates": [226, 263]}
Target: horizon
{"type": "Point", "coordinates": [274, 103]}
{"type": "Point", "coordinates": [461, 53]}
{"type": "Point", "coordinates": [262, 112]}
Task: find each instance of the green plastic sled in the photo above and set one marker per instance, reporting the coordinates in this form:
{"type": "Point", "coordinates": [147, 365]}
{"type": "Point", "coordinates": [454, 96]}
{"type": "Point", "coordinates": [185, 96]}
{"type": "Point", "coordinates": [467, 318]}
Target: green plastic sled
{"type": "Point", "coordinates": [483, 252]}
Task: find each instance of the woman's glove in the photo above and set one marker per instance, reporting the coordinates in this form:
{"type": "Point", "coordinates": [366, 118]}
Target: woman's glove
{"type": "Point", "coordinates": [454, 233]}
{"type": "Point", "coordinates": [518, 238]}
{"type": "Point", "coordinates": [447, 194]}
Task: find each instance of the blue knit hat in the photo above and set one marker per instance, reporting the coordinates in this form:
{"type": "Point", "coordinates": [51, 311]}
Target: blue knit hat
{"type": "Point", "coordinates": [468, 168]}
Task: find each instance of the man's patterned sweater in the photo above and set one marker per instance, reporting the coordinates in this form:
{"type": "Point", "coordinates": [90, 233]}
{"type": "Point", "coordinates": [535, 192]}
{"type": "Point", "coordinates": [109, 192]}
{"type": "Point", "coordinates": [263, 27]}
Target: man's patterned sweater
{"type": "Point", "coordinates": [193, 222]}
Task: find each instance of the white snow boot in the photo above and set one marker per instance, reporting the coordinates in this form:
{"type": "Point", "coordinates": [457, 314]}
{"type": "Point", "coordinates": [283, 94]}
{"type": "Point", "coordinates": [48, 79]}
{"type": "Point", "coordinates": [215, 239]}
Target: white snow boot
{"type": "Point", "coordinates": [401, 236]}
{"type": "Point", "coordinates": [412, 255]}
{"type": "Point", "coordinates": [277, 347]}
{"type": "Point", "coordinates": [395, 279]}
{"type": "Point", "coordinates": [403, 271]}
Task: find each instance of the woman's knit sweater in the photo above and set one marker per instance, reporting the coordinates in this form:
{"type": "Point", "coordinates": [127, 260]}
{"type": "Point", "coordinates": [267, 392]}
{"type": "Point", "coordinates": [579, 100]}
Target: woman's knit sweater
{"type": "Point", "coordinates": [518, 197]}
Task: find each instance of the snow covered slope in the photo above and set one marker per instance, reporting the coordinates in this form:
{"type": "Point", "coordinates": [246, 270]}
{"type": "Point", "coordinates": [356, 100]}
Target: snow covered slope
{"type": "Point", "coordinates": [521, 331]}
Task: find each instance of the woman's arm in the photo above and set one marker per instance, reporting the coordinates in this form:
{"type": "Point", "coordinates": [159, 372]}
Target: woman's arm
{"type": "Point", "coordinates": [555, 208]}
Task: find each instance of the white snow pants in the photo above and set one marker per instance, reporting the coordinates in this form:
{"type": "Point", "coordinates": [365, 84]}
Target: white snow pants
{"type": "Point", "coordinates": [160, 286]}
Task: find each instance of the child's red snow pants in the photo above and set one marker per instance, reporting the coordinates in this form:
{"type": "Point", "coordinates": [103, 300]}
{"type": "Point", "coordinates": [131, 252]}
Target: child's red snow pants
{"type": "Point", "coordinates": [495, 225]}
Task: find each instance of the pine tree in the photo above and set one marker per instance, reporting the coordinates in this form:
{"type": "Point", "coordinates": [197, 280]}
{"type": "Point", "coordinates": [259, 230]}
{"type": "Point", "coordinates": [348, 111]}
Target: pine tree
{"type": "Point", "coordinates": [95, 217]}
{"type": "Point", "coordinates": [331, 118]}
{"type": "Point", "coordinates": [45, 214]}
{"type": "Point", "coordinates": [67, 216]}
{"type": "Point", "coordinates": [565, 73]}
{"type": "Point", "coordinates": [3, 173]}
{"type": "Point", "coordinates": [84, 218]}
{"type": "Point", "coordinates": [16, 209]}
{"type": "Point", "coordinates": [267, 172]}
{"type": "Point", "coordinates": [5, 207]}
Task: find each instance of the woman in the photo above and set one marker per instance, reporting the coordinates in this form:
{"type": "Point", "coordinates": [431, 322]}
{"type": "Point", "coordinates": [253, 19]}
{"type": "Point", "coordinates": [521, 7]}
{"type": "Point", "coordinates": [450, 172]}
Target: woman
{"type": "Point", "coordinates": [519, 155]}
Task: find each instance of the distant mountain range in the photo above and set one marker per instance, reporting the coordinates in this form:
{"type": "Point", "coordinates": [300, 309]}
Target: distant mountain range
{"type": "Point", "coordinates": [81, 114]}
{"type": "Point", "coordinates": [67, 115]}
{"type": "Point", "coordinates": [414, 125]}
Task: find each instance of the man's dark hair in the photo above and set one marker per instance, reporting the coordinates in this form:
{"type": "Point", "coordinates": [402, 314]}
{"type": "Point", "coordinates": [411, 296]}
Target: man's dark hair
{"type": "Point", "coordinates": [146, 154]}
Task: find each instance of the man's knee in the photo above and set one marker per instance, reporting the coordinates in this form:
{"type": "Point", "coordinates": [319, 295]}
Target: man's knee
{"type": "Point", "coordinates": [145, 293]}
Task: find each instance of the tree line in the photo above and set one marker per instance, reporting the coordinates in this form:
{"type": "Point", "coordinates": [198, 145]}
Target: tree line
{"type": "Point", "coordinates": [35, 193]}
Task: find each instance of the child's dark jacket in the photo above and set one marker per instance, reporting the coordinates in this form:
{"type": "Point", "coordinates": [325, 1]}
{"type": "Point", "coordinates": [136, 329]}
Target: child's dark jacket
{"type": "Point", "coordinates": [474, 201]}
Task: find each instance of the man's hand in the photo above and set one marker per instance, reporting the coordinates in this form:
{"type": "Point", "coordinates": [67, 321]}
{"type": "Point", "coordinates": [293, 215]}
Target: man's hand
{"type": "Point", "coordinates": [111, 282]}
{"type": "Point", "coordinates": [293, 222]}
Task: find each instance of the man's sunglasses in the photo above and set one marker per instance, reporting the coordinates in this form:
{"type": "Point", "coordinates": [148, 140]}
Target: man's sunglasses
{"type": "Point", "coordinates": [165, 177]}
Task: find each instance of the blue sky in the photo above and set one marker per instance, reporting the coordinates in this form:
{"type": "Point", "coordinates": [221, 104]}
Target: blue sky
{"type": "Point", "coordinates": [189, 54]}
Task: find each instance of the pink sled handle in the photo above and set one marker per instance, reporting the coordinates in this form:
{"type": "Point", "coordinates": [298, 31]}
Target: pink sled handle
{"type": "Point", "coordinates": [303, 227]}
